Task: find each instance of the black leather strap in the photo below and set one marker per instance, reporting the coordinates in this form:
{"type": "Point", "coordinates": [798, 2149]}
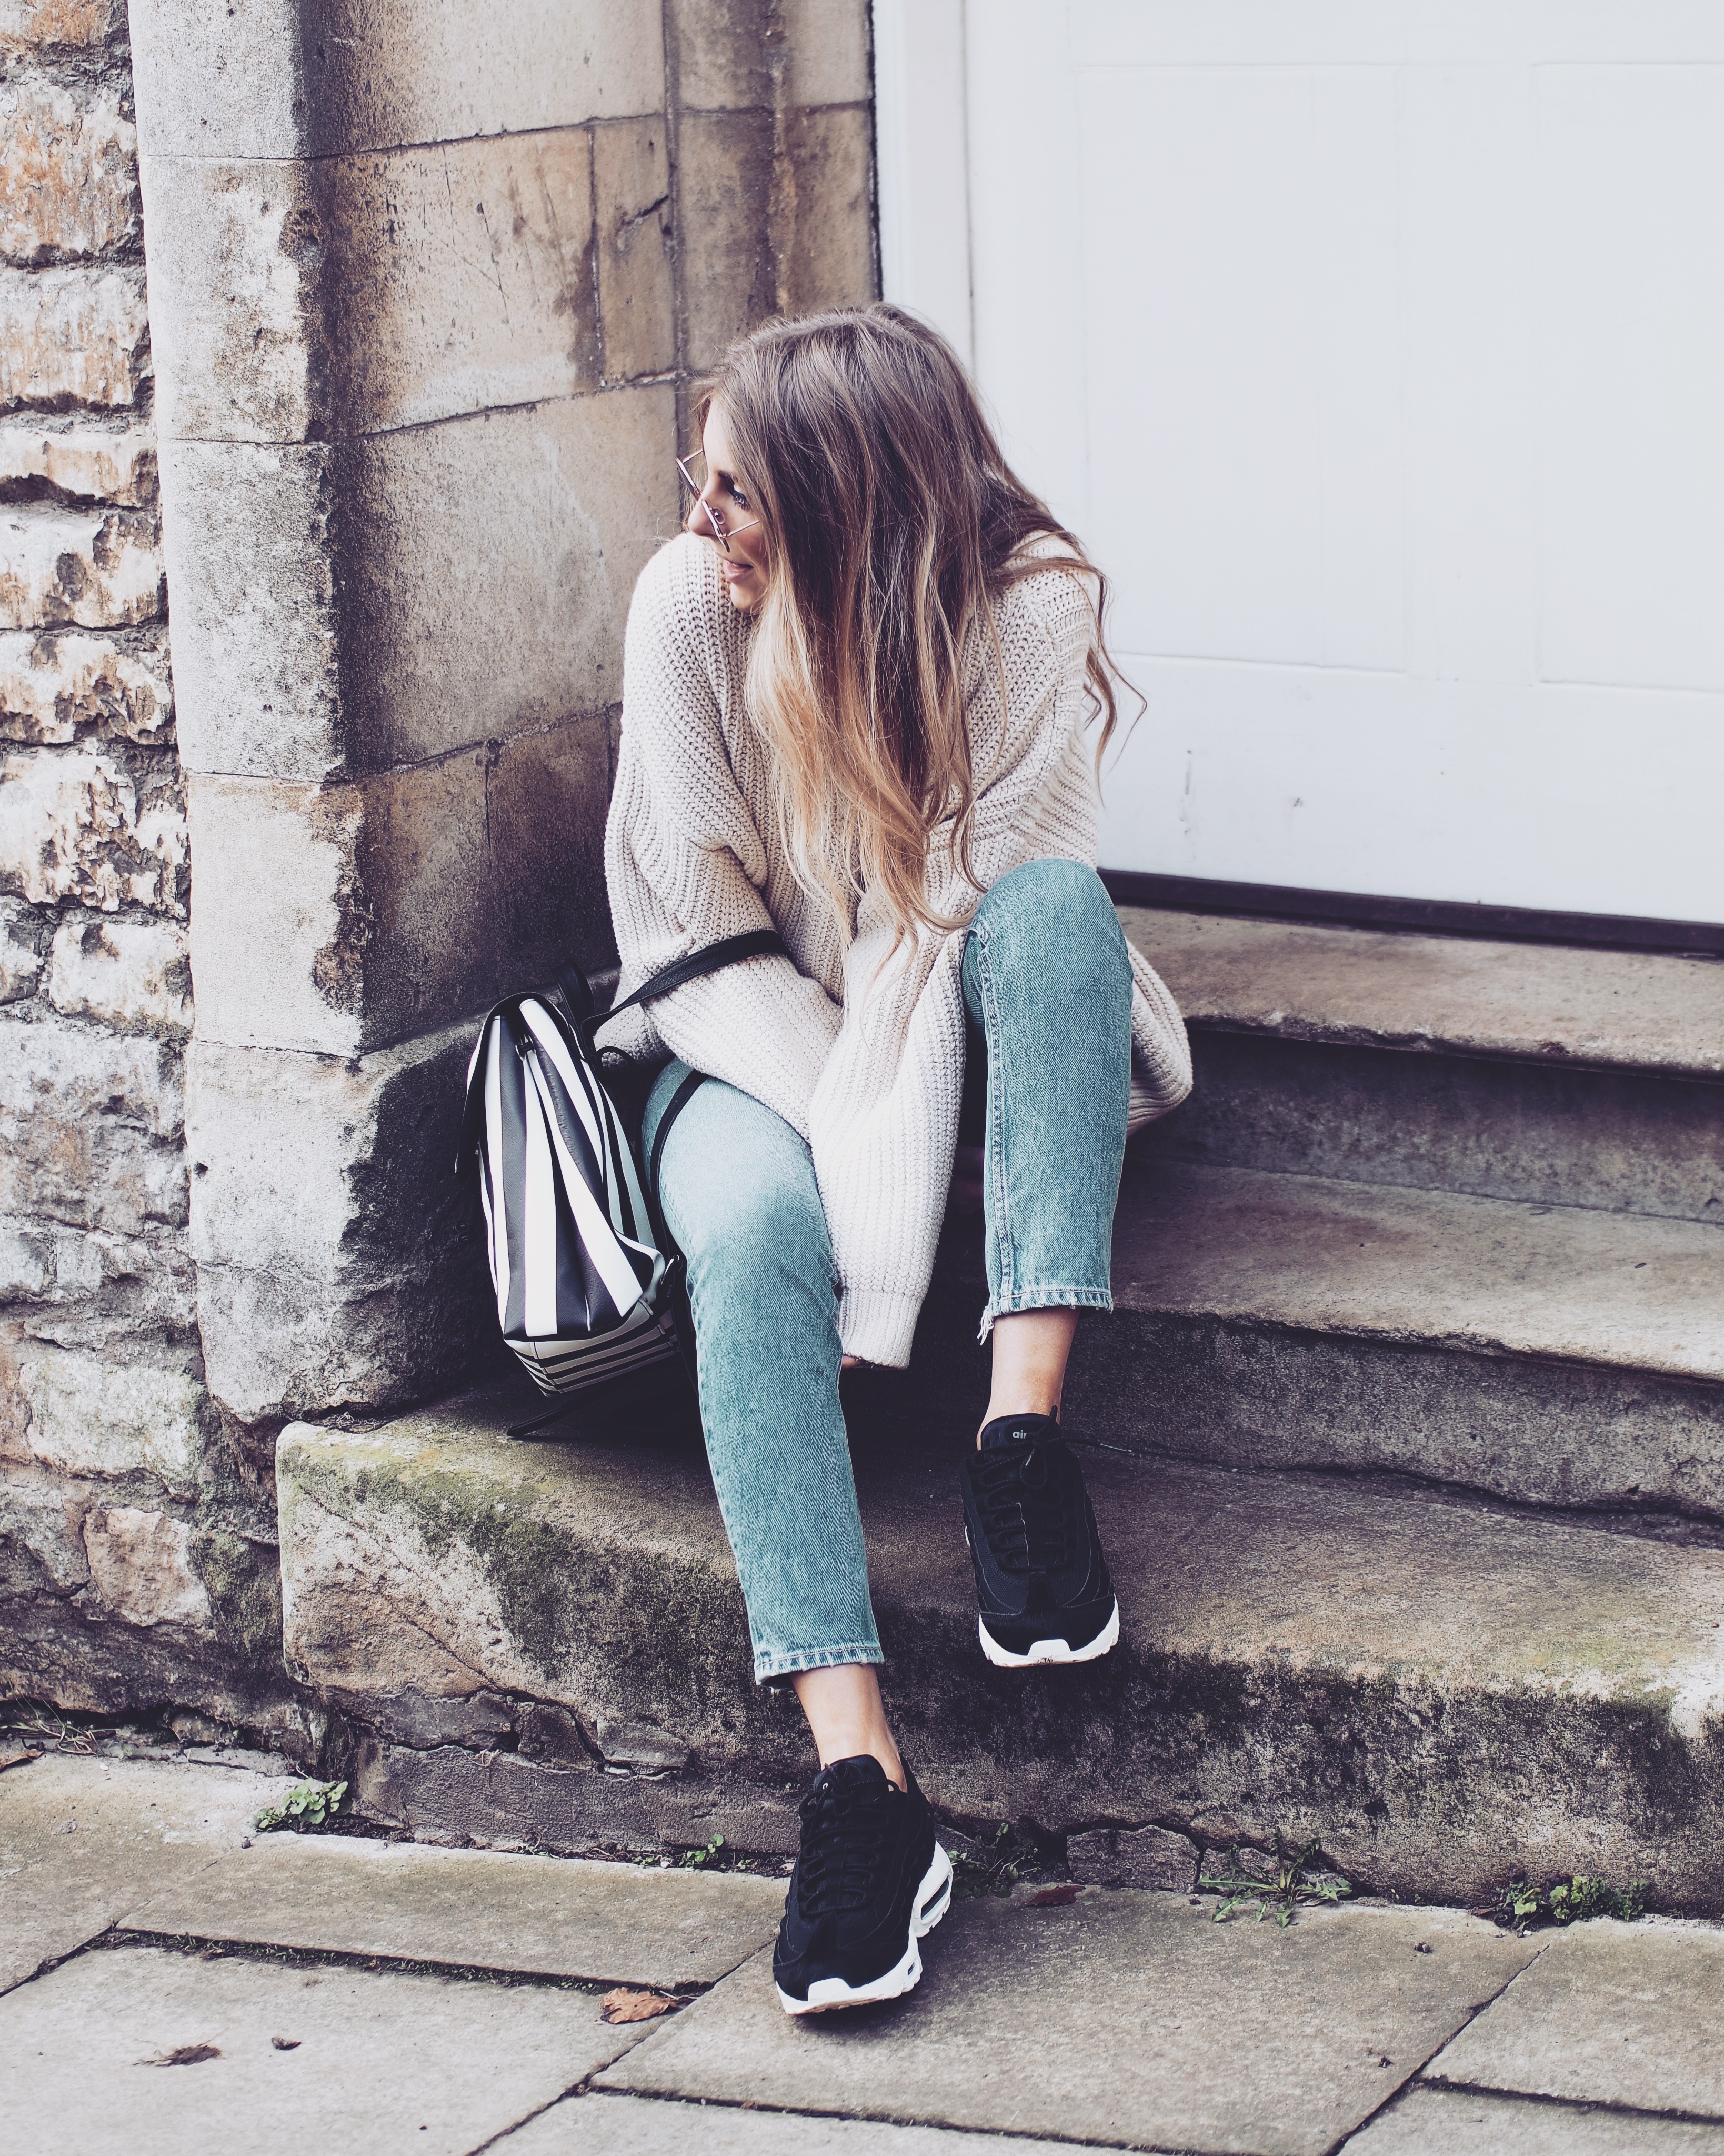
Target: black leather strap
{"type": "Point", "coordinates": [758, 943]}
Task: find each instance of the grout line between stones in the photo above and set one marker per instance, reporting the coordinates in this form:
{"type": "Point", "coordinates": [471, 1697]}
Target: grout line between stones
{"type": "Point", "coordinates": [466, 141]}
{"type": "Point", "coordinates": [1545, 2100]}
{"type": "Point", "coordinates": [201, 1946]}
{"type": "Point", "coordinates": [1416, 2072]}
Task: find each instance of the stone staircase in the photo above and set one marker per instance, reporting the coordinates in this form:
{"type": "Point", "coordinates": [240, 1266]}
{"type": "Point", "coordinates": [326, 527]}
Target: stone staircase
{"type": "Point", "coordinates": [1406, 1438]}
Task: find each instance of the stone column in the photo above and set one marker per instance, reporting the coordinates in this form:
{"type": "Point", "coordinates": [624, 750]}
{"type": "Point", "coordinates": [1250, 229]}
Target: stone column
{"type": "Point", "coordinates": [416, 420]}
{"type": "Point", "coordinates": [428, 283]}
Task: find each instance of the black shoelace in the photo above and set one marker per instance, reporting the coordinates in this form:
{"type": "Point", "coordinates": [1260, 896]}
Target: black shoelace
{"type": "Point", "coordinates": [844, 1831]}
{"type": "Point", "coordinates": [1027, 1507]}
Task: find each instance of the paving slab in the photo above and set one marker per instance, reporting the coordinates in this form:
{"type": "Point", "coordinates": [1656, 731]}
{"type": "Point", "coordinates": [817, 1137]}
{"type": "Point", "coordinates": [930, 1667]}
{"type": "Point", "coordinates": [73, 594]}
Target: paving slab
{"type": "Point", "coordinates": [1424, 2121]}
{"type": "Point", "coordinates": [1627, 1009]}
{"type": "Point", "coordinates": [82, 1840]}
{"type": "Point", "coordinates": [388, 2063]}
{"type": "Point", "coordinates": [1610, 2012]}
{"type": "Point", "coordinates": [1151, 2025]}
{"type": "Point", "coordinates": [478, 1909]}
{"type": "Point", "coordinates": [601, 2124]}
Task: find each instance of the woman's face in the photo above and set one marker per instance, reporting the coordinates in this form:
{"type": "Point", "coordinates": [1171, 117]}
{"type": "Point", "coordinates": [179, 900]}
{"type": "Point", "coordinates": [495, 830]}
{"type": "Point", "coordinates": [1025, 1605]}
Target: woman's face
{"type": "Point", "coordinates": [728, 495]}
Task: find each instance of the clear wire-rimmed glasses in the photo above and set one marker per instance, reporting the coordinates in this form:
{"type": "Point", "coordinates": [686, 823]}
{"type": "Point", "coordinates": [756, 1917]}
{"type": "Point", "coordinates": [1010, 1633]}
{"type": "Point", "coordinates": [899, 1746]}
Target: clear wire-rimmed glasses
{"type": "Point", "coordinates": [692, 469]}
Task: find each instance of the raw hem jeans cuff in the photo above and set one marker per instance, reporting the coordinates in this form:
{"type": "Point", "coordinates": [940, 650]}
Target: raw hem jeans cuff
{"type": "Point", "coordinates": [1044, 1298]}
{"type": "Point", "coordinates": [777, 1669]}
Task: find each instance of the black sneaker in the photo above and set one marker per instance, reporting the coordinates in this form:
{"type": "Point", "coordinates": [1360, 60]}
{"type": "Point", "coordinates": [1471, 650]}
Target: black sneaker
{"type": "Point", "coordinates": [871, 1882]}
{"type": "Point", "coordinates": [1040, 1577]}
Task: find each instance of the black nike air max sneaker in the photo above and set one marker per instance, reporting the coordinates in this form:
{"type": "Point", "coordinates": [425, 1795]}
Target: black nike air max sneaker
{"type": "Point", "coordinates": [1041, 1579]}
{"type": "Point", "coordinates": [870, 1882]}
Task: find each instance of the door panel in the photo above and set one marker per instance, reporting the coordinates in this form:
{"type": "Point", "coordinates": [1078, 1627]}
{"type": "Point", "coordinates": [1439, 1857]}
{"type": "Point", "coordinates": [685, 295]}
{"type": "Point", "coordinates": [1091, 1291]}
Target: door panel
{"type": "Point", "coordinates": [1376, 349]}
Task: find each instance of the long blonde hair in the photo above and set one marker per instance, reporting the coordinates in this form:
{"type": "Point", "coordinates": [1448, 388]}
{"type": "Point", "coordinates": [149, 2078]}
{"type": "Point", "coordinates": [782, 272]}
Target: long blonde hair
{"type": "Point", "coordinates": [892, 524]}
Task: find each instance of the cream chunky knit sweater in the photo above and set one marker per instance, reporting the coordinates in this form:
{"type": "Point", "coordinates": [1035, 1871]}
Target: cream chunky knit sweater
{"type": "Point", "coordinates": [866, 1059]}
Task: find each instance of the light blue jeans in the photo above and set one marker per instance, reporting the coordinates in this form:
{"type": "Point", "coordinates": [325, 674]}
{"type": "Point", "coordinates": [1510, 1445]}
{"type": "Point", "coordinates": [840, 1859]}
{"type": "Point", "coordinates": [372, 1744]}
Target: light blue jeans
{"type": "Point", "coordinates": [1047, 985]}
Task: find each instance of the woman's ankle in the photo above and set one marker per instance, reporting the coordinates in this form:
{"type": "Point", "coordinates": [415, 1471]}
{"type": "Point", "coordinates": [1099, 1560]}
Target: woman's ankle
{"type": "Point", "coordinates": [846, 1717]}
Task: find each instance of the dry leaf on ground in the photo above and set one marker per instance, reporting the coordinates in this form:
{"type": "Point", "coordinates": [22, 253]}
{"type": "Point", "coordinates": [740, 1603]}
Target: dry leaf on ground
{"type": "Point", "coordinates": [187, 2055]}
{"type": "Point", "coordinates": [16, 1759]}
{"type": "Point", "coordinates": [625, 2005]}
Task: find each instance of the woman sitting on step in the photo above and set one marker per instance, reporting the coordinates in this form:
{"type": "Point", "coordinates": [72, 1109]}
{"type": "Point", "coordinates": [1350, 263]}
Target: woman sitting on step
{"type": "Point", "coordinates": [855, 700]}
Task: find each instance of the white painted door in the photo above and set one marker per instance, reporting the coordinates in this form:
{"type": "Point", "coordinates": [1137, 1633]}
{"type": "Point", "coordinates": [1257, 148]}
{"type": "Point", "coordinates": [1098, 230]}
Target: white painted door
{"type": "Point", "coordinates": [1376, 348]}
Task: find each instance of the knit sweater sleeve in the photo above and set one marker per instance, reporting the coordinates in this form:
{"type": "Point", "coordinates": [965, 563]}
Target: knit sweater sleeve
{"type": "Point", "coordinates": [684, 863]}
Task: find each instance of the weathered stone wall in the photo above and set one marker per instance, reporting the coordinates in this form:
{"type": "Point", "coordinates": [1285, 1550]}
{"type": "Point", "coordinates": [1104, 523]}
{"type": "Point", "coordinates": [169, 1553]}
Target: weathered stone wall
{"type": "Point", "coordinates": [135, 1552]}
{"type": "Point", "coordinates": [427, 282]}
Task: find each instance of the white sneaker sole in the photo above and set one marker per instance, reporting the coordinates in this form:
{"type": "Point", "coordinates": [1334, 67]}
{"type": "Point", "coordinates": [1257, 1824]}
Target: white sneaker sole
{"type": "Point", "coordinates": [933, 1899]}
{"type": "Point", "coordinates": [1050, 1650]}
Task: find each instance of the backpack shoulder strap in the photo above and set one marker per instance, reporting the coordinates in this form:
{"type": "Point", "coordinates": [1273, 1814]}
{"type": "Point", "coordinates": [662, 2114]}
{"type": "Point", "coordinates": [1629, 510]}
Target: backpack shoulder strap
{"type": "Point", "coordinates": [758, 943]}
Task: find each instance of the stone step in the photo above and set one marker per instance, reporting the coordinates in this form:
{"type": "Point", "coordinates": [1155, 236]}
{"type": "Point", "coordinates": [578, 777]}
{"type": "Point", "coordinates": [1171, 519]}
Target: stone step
{"type": "Point", "coordinates": [1561, 1076]}
{"type": "Point", "coordinates": [1550, 1355]}
{"type": "Point", "coordinates": [1445, 1694]}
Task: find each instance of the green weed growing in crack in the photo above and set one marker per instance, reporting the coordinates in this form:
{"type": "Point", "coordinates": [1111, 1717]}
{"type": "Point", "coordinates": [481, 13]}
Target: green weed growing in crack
{"type": "Point", "coordinates": [994, 1866]}
{"type": "Point", "coordinates": [698, 1859]}
{"type": "Point", "coordinates": [303, 1809]}
{"type": "Point", "coordinates": [1521, 1907]}
{"type": "Point", "coordinates": [1293, 1885]}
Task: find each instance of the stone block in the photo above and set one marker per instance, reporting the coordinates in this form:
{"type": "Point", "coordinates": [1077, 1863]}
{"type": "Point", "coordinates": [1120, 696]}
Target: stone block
{"type": "Point", "coordinates": [36, 28]}
{"type": "Point", "coordinates": [724, 196]}
{"type": "Point", "coordinates": [141, 1567]}
{"type": "Point", "coordinates": [828, 61]}
{"type": "Point", "coordinates": [54, 686]}
{"type": "Point", "coordinates": [74, 824]}
{"type": "Point", "coordinates": [23, 942]}
{"type": "Point", "coordinates": [93, 568]}
{"type": "Point", "coordinates": [68, 173]}
{"type": "Point", "coordinates": [323, 623]}
{"type": "Point", "coordinates": [732, 53]}
{"type": "Point", "coordinates": [89, 463]}
{"type": "Point", "coordinates": [631, 179]}
{"type": "Point", "coordinates": [42, 1518]}
{"type": "Point", "coordinates": [72, 336]}
{"type": "Point", "coordinates": [728, 52]}
{"type": "Point", "coordinates": [282, 79]}
{"type": "Point", "coordinates": [338, 1257]}
{"type": "Point", "coordinates": [358, 293]}
{"type": "Point", "coordinates": [824, 232]}
{"type": "Point", "coordinates": [499, 1798]}
{"type": "Point", "coordinates": [280, 925]}
{"type": "Point", "coordinates": [90, 1127]}
{"type": "Point", "coordinates": [105, 1291]}
{"type": "Point", "coordinates": [769, 230]}
{"type": "Point", "coordinates": [135, 975]}
{"type": "Point", "coordinates": [522, 625]}
{"type": "Point", "coordinates": [251, 535]}
{"type": "Point", "coordinates": [1151, 1856]}
{"type": "Point", "coordinates": [88, 1415]}
{"type": "Point", "coordinates": [337, 919]}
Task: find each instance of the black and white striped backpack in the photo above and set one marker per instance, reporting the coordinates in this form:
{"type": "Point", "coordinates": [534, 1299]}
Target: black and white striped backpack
{"type": "Point", "coordinates": [588, 1283]}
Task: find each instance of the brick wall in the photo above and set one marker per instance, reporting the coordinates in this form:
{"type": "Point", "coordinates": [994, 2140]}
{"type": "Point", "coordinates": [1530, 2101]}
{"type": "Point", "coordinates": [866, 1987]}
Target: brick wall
{"type": "Point", "coordinates": [135, 1547]}
{"type": "Point", "coordinates": [428, 280]}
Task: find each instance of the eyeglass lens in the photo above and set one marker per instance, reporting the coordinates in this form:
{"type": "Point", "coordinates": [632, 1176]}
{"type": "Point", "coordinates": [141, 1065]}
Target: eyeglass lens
{"type": "Point", "coordinates": [694, 472]}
